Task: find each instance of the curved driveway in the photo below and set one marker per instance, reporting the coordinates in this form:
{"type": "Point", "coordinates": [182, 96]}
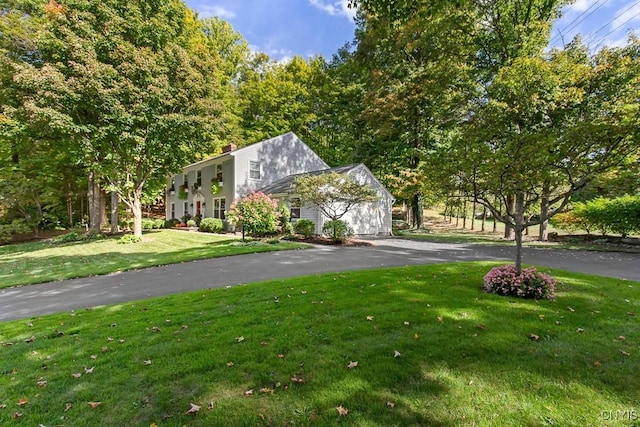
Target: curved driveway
{"type": "Point", "coordinates": [34, 300]}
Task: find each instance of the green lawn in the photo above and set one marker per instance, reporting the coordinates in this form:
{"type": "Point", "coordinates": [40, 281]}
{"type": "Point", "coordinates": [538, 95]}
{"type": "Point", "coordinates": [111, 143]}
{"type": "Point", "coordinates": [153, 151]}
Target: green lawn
{"type": "Point", "coordinates": [277, 353]}
{"type": "Point", "coordinates": [30, 263]}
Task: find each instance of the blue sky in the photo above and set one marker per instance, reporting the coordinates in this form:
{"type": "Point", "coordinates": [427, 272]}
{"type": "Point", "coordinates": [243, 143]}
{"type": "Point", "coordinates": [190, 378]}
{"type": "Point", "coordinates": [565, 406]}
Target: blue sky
{"type": "Point", "coordinates": [284, 28]}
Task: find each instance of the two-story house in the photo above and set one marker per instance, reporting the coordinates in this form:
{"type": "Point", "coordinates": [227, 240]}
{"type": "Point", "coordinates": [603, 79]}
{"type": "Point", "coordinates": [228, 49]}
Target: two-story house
{"type": "Point", "coordinates": [208, 187]}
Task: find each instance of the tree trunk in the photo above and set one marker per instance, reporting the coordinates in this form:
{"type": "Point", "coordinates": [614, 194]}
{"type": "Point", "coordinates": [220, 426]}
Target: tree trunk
{"type": "Point", "coordinates": [543, 235]}
{"type": "Point", "coordinates": [473, 216]}
{"type": "Point", "coordinates": [519, 227]}
{"type": "Point", "coordinates": [464, 214]}
{"type": "Point", "coordinates": [69, 201]}
{"type": "Point", "coordinates": [136, 209]}
{"type": "Point", "coordinates": [416, 206]}
{"type": "Point", "coordinates": [103, 208]}
{"type": "Point", "coordinates": [93, 199]}
{"type": "Point", "coordinates": [115, 200]}
{"type": "Point", "coordinates": [484, 218]}
{"type": "Point", "coordinates": [508, 229]}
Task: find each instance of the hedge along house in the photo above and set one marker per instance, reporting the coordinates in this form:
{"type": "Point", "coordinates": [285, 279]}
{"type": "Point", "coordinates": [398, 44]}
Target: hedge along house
{"type": "Point", "coordinates": [208, 187]}
{"type": "Point", "coordinates": [364, 219]}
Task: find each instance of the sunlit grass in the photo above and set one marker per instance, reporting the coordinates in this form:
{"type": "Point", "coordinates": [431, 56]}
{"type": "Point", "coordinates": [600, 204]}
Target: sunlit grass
{"type": "Point", "coordinates": [30, 263]}
{"type": "Point", "coordinates": [466, 357]}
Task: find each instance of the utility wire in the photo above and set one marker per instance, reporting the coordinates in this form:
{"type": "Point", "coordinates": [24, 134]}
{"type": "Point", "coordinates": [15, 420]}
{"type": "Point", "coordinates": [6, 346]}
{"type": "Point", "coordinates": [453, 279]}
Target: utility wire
{"type": "Point", "coordinates": [619, 26]}
{"type": "Point", "coordinates": [573, 23]}
{"type": "Point", "coordinates": [618, 15]}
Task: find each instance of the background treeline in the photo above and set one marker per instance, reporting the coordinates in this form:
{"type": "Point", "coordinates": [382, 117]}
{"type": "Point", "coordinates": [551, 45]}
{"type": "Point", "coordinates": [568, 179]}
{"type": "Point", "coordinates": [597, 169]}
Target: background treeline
{"type": "Point", "coordinates": [442, 100]}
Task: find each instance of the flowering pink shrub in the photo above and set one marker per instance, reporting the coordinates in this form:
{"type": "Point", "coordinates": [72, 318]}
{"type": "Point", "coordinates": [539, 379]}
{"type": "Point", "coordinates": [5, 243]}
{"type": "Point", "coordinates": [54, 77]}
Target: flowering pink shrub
{"type": "Point", "coordinates": [257, 212]}
{"type": "Point", "coordinates": [529, 283]}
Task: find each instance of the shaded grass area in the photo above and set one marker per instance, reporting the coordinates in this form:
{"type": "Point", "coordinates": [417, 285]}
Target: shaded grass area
{"type": "Point", "coordinates": [465, 357]}
{"type": "Point", "coordinates": [38, 262]}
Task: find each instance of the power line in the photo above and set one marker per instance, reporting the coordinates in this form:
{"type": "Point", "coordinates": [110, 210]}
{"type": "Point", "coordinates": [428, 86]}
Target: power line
{"type": "Point", "coordinates": [618, 15]}
{"type": "Point", "coordinates": [619, 26]}
{"type": "Point", "coordinates": [573, 23]}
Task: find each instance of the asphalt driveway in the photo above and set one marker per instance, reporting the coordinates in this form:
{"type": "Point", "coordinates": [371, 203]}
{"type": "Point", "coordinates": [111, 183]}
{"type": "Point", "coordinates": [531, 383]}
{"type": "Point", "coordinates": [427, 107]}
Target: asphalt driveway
{"type": "Point", "coordinates": [34, 300]}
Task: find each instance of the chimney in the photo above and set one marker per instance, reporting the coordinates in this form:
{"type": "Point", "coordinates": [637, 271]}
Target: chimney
{"type": "Point", "coordinates": [229, 148]}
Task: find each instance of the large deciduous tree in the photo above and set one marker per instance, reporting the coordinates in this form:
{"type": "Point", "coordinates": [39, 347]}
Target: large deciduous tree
{"type": "Point", "coordinates": [133, 85]}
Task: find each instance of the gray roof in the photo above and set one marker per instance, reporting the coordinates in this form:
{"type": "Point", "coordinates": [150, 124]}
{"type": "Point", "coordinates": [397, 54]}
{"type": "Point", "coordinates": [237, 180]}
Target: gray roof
{"type": "Point", "coordinates": [285, 185]}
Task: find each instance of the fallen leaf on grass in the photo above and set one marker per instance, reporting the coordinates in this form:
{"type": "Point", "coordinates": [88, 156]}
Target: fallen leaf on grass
{"type": "Point", "coordinates": [23, 401]}
{"type": "Point", "coordinates": [248, 392]}
{"type": "Point", "coordinates": [281, 356]}
{"type": "Point", "coordinates": [624, 353]}
{"type": "Point", "coordinates": [210, 405]}
{"type": "Point", "coordinates": [570, 309]}
{"type": "Point", "coordinates": [481, 326]}
{"type": "Point", "coordinates": [67, 406]}
{"type": "Point", "coordinates": [266, 390]}
{"type": "Point", "coordinates": [534, 337]}
{"type": "Point", "coordinates": [239, 339]}
{"type": "Point", "coordinates": [147, 362]}
{"type": "Point", "coordinates": [596, 363]}
{"type": "Point", "coordinates": [579, 330]}
{"type": "Point", "coordinates": [622, 338]}
{"type": "Point", "coordinates": [76, 375]}
{"type": "Point", "coordinates": [439, 318]}
{"type": "Point", "coordinates": [264, 343]}
{"type": "Point", "coordinates": [30, 340]}
{"type": "Point", "coordinates": [3, 406]}
{"type": "Point", "coordinates": [405, 323]}
{"type": "Point", "coordinates": [156, 329]}
{"type": "Point", "coordinates": [93, 356]}
{"type": "Point", "coordinates": [16, 415]}
{"type": "Point", "coordinates": [94, 405]}
{"type": "Point", "coordinates": [391, 404]}
{"type": "Point", "coordinates": [297, 380]}
{"type": "Point", "coordinates": [194, 409]}
{"type": "Point", "coordinates": [41, 382]}
{"type": "Point", "coordinates": [89, 370]}
{"type": "Point", "coordinates": [369, 318]}
{"type": "Point", "coordinates": [105, 349]}
{"type": "Point", "coordinates": [230, 364]}
{"type": "Point", "coordinates": [342, 411]}
{"type": "Point", "coordinates": [352, 365]}
{"type": "Point", "coordinates": [396, 353]}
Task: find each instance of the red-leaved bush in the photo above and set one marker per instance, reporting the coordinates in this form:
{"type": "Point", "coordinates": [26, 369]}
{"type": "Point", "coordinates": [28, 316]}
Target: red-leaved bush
{"type": "Point", "coordinates": [504, 280]}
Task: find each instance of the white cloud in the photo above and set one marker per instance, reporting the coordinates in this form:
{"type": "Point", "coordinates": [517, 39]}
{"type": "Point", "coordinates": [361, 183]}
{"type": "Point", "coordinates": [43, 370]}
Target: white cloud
{"type": "Point", "coordinates": [334, 8]}
{"type": "Point", "coordinates": [206, 11]}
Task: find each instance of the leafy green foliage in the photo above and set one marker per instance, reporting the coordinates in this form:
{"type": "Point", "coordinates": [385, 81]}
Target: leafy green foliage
{"type": "Point", "coordinates": [256, 212]}
{"type": "Point", "coordinates": [332, 193]}
{"type": "Point", "coordinates": [211, 225]}
{"type": "Point", "coordinates": [306, 227]}
{"type": "Point", "coordinates": [17, 226]}
{"type": "Point", "coordinates": [337, 230]}
{"type": "Point", "coordinates": [620, 215]}
{"type": "Point", "coordinates": [129, 238]}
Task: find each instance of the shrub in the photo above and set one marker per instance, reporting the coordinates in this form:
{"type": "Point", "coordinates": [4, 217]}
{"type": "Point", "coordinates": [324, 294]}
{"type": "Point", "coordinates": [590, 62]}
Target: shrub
{"type": "Point", "coordinates": [272, 241]}
{"type": "Point", "coordinates": [129, 238]}
{"type": "Point", "coordinates": [306, 227]}
{"type": "Point", "coordinates": [147, 224]}
{"type": "Point", "coordinates": [570, 221]}
{"type": "Point", "coordinates": [337, 230]}
{"type": "Point", "coordinates": [171, 223]}
{"type": "Point", "coordinates": [285, 219]}
{"type": "Point", "coordinates": [530, 283]}
{"type": "Point", "coordinates": [17, 226]}
{"type": "Point", "coordinates": [211, 225]}
{"type": "Point", "coordinates": [257, 213]}
{"type": "Point", "coordinates": [192, 223]}
{"type": "Point", "coordinates": [185, 218]}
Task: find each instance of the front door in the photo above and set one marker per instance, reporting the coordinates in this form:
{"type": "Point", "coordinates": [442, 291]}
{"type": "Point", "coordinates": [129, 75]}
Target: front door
{"type": "Point", "coordinates": [199, 208]}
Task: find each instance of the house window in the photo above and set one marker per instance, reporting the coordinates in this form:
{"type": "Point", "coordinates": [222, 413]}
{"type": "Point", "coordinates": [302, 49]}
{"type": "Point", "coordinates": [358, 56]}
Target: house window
{"type": "Point", "coordinates": [294, 207]}
{"type": "Point", "coordinates": [185, 208]}
{"type": "Point", "coordinates": [219, 206]}
{"type": "Point", "coordinates": [199, 178]}
{"type": "Point", "coordinates": [173, 211]}
{"type": "Point", "coordinates": [254, 169]}
{"type": "Point", "coordinates": [185, 180]}
{"type": "Point", "coordinates": [219, 173]}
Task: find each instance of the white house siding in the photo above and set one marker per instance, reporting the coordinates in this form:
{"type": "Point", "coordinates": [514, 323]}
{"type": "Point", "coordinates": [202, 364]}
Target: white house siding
{"type": "Point", "coordinates": [375, 217]}
{"type": "Point", "coordinates": [279, 157]}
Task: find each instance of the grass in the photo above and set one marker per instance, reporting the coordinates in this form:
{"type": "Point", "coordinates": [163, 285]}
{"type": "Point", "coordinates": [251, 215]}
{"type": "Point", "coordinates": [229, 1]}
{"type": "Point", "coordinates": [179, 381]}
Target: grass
{"type": "Point", "coordinates": [29, 263]}
{"type": "Point", "coordinates": [466, 356]}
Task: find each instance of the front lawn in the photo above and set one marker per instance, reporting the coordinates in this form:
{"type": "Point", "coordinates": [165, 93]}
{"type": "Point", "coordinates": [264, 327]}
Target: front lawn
{"type": "Point", "coordinates": [426, 347]}
{"type": "Point", "coordinates": [29, 263]}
